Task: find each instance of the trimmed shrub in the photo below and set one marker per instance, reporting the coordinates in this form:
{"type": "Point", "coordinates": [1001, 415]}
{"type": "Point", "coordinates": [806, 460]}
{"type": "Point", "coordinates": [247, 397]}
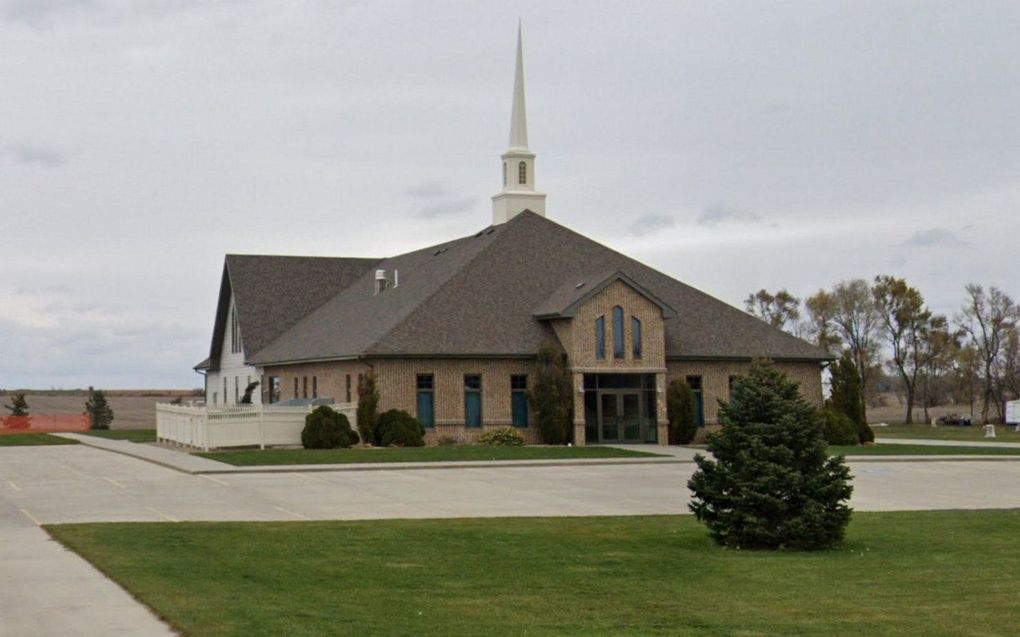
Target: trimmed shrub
{"type": "Point", "coordinates": [327, 429]}
{"type": "Point", "coordinates": [846, 395]}
{"type": "Point", "coordinates": [368, 408]}
{"type": "Point", "coordinates": [681, 411]}
{"type": "Point", "coordinates": [838, 428]}
{"type": "Point", "coordinates": [501, 437]}
{"type": "Point", "coordinates": [771, 483]}
{"type": "Point", "coordinates": [397, 428]}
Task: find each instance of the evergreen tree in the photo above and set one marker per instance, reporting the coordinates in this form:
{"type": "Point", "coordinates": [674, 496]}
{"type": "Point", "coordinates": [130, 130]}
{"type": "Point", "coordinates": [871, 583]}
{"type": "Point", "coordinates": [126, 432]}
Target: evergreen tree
{"type": "Point", "coordinates": [99, 412]}
{"type": "Point", "coordinates": [846, 395]}
{"type": "Point", "coordinates": [552, 396]}
{"type": "Point", "coordinates": [771, 483]}
{"type": "Point", "coordinates": [681, 412]}
{"type": "Point", "coordinates": [18, 406]}
{"type": "Point", "coordinates": [368, 407]}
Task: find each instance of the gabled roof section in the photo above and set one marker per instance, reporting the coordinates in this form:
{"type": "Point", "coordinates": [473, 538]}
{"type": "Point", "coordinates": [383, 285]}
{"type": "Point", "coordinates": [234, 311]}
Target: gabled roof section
{"type": "Point", "coordinates": [563, 303]}
{"type": "Point", "coordinates": [477, 296]}
{"type": "Point", "coordinates": [272, 293]}
{"type": "Point", "coordinates": [204, 365]}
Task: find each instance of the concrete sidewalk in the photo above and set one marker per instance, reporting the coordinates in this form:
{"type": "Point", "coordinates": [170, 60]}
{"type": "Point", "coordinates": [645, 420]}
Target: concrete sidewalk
{"type": "Point", "coordinates": [48, 590]}
{"type": "Point", "coordinates": [990, 442]}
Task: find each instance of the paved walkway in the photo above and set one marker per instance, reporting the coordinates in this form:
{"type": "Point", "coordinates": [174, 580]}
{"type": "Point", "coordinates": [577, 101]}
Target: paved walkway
{"type": "Point", "coordinates": [991, 442]}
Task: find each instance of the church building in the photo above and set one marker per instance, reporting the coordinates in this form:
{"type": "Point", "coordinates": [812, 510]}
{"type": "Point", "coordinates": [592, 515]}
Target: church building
{"type": "Point", "coordinates": [451, 331]}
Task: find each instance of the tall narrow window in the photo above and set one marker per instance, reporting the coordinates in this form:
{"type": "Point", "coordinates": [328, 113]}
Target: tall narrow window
{"type": "Point", "coordinates": [297, 394]}
{"type": "Point", "coordinates": [522, 172]}
{"type": "Point", "coordinates": [426, 401]}
{"type": "Point", "coordinates": [315, 386]}
{"type": "Point", "coordinates": [274, 389]}
{"type": "Point", "coordinates": [304, 387]}
{"type": "Point", "coordinates": [348, 388]}
{"type": "Point", "coordinates": [236, 383]}
{"type": "Point", "coordinates": [699, 399]}
{"type": "Point", "coordinates": [214, 396]}
{"type": "Point", "coordinates": [519, 400]}
{"type": "Point", "coordinates": [235, 331]}
{"type": "Point", "coordinates": [617, 332]}
{"type": "Point", "coordinates": [504, 173]}
{"type": "Point", "coordinates": [472, 400]}
{"type": "Point", "coordinates": [225, 394]}
{"type": "Point", "coordinates": [635, 336]}
{"type": "Point", "coordinates": [600, 337]}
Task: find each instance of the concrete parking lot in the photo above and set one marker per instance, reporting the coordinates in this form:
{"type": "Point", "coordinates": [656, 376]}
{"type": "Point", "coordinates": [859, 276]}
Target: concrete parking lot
{"type": "Point", "coordinates": [52, 591]}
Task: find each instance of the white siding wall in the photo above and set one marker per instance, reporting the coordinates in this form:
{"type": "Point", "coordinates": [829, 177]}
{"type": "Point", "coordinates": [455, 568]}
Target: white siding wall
{"type": "Point", "coordinates": [233, 369]}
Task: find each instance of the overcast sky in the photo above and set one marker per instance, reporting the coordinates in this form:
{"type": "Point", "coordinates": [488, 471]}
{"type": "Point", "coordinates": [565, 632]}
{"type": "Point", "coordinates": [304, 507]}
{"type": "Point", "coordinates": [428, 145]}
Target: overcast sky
{"type": "Point", "coordinates": [733, 146]}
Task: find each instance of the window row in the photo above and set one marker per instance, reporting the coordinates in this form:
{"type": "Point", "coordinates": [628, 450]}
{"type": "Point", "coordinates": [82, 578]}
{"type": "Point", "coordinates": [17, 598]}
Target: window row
{"type": "Point", "coordinates": [425, 399]}
{"type": "Point", "coordinates": [619, 338]}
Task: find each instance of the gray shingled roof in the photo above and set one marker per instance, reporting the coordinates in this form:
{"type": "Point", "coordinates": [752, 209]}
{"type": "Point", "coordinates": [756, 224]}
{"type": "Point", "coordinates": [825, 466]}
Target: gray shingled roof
{"type": "Point", "coordinates": [273, 293]}
{"type": "Point", "coordinates": [565, 300]}
{"type": "Point", "coordinates": [476, 296]}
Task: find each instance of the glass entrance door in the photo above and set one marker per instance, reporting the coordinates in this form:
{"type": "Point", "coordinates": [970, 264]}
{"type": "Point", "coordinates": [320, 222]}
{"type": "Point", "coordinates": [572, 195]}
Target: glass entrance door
{"type": "Point", "coordinates": [619, 416]}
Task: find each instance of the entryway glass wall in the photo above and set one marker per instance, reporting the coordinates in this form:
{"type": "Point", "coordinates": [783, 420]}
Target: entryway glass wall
{"type": "Point", "coordinates": [620, 408]}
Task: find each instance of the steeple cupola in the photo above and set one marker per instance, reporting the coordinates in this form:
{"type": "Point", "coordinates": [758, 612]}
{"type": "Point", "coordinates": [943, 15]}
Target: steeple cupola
{"type": "Point", "coordinates": [518, 192]}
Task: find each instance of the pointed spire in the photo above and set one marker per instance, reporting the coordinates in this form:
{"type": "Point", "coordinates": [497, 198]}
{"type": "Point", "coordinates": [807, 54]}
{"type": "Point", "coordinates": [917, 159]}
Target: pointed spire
{"type": "Point", "coordinates": [518, 116]}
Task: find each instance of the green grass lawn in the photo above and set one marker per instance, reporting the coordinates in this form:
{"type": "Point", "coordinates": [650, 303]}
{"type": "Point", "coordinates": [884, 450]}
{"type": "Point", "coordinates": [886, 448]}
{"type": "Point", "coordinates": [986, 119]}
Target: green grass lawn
{"type": "Point", "coordinates": [931, 573]}
{"type": "Point", "coordinates": [134, 435]}
{"type": "Point", "coordinates": [25, 440]}
{"type": "Point", "coordinates": [974, 433]}
{"type": "Point", "coordinates": [920, 450]}
{"type": "Point", "coordinates": [414, 454]}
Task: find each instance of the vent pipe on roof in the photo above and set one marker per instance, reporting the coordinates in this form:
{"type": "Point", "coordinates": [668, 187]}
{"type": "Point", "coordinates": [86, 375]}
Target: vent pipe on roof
{"type": "Point", "coordinates": [380, 281]}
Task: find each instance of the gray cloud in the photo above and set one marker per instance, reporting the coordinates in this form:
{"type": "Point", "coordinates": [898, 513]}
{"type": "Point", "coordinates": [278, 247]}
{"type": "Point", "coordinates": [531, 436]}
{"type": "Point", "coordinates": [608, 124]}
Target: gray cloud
{"type": "Point", "coordinates": [434, 200]}
{"type": "Point", "coordinates": [43, 14]}
{"type": "Point", "coordinates": [24, 153]}
{"type": "Point", "coordinates": [934, 237]}
{"type": "Point", "coordinates": [721, 213]}
{"type": "Point", "coordinates": [650, 223]}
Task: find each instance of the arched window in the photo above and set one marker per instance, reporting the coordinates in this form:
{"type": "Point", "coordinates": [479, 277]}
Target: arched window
{"type": "Point", "coordinates": [522, 172]}
{"type": "Point", "coordinates": [635, 336]}
{"type": "Point", "coordinates": [617, 332]}
{"type": "Point", "coordinates": [600, 337]}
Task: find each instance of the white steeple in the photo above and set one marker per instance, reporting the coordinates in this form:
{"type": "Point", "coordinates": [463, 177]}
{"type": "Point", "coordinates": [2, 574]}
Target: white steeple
{"type": "Point", "coordinates": [518, 192]}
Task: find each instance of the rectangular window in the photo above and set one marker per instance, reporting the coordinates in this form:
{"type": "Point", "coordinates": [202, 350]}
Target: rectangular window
{"type": "Point", "coordinates": [519, 399]}
{"type": "Point", "coordinates": [348, 388]}
{"type": "Point", "coordinates": [304, 387]}
{"type": "Point", "coordinates": [472, 400]}
{"type": "Point", "coordinates": [315, 386]}
{"type": "Point", "coordinates": [297, 381]}
{"type": "Point", "coordinates": [426, 400]}
{"type": "Point", "coordinates": [236, 383]}
{"type": "Point", "coordinates": [214, 397]}
{"type": "Point", "coordinates": [635, 336]}
{"type": "Point", "coordinates": [274, 389]}
{"type": "Point", "coordinates": [225, 394]}
{"type": "Point", "coordinates": [600, 337]}
{"type": "Point", "coordinates": [618, 332]}
{"type": "Point", "coordinates": [699, 399]}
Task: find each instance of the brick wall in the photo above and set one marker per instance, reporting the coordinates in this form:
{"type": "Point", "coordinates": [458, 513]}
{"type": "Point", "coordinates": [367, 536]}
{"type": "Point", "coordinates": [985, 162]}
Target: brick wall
{"type": "Point", "coordinates": [580, 338]}
{"type": "Point", "coordinates": [331, 378]}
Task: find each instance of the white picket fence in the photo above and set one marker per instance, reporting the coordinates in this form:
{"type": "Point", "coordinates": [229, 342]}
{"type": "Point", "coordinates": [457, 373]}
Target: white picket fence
{"type": "Point", "coordinates": [241, 426]}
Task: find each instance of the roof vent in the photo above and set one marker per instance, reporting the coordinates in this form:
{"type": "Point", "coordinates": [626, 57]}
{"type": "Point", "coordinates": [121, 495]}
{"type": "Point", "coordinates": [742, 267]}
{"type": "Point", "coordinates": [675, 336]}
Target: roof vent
{"type": "Point", "coordinates": [579, 285]}
{"type": "Point", "coordinates": [380, 281]}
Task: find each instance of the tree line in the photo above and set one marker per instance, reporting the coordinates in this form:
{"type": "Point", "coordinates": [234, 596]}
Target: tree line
{"type": "Point", "coordinates": [886, 325]}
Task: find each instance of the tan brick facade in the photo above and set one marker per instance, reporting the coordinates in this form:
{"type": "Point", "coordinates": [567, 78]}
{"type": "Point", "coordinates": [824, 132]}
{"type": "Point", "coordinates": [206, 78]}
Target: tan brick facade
{"type": "Point", "coordinates": [329, 378]}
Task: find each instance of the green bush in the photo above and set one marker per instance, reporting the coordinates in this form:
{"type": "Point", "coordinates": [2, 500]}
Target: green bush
{"type": "Point", "coordinates": [327, 429]}
{"type": "Point", "coordinates": [368, 408]}
{"type": "Point", "coordinates": [847, 397]}
{"type": "Point", "coordinates": [682, 413]}
{"type": "Point", "coordinates": [501, 437]}
{"type": "Point", "coordinates": [770, 483]}
{"type": "Point", "coordinates": [98, 409]}
{"type": "Point", "coordinates": [838, 428]}
{"type": "Point", "coordinates": [397, 428]}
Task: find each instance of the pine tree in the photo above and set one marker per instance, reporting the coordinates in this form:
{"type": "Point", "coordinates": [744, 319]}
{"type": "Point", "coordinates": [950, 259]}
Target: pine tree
{"type": "Point", "coordinates": [98, 410]}
{"type": "Point", "coordinates": [681, 412]}
{"type": "Point", "coordinates": [552, 396]}
{"type": "Point", "coordinates": [18, 406]}
{"type": "Point", "coordinates": [368, 408]}
{"type": "Point", "coordinates": [771, 483]}
{"type": "Point", "coordinates": [846, 395]}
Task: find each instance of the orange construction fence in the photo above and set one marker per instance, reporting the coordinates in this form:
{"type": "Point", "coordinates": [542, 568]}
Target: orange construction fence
{"type": "Point", "coordinates": [40, 423]}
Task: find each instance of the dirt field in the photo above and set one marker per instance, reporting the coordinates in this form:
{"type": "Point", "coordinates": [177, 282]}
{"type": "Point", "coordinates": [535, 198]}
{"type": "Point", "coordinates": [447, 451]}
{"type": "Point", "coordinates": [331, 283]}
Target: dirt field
{"type": "Point", "coordinates": [132, 409]}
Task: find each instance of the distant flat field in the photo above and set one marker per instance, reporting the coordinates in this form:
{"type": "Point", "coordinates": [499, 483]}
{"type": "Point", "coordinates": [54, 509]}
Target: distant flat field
{"type": "Point", "coordinates": [132, 409]}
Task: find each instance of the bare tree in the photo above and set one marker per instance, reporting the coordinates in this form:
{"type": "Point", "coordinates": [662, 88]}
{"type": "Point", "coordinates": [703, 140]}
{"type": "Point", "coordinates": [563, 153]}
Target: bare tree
{"type": "Point", "coordinates": [987, 318]}
{"type": "Point", "coordinates": [819, 328]}
{"type": "Point", "coordinates": [938, 351]}
{"type": "Point", "coordinates": [856, 321]}
{"type": "Point", "coordinates": [781, 309]}
{"type": "Point", "coordinates": [903, 322]}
